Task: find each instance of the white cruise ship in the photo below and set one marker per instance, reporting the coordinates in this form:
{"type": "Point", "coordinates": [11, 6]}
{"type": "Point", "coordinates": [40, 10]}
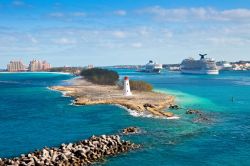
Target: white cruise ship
{"type": "Point", "coordinates": [152, 67]}
{"type": "Point", "coordinates": [202, 66]}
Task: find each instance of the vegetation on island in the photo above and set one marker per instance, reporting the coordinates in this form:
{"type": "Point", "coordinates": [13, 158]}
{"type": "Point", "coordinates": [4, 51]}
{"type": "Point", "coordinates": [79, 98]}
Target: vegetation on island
{"type": "Point", "coordinates": [109, 77]}
{"type": "Point", "coordinates": [72, 70]}
{"type": "Point", "coordinates": [100, 76]}
{"type": "Point", "coordinates": [137, 85]}
{"type": "Point", "coordinates": [140, 85]}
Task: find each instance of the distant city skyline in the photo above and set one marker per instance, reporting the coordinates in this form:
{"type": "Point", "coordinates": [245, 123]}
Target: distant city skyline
{"type": "Point", "coordinates": [34, 65]}
{"type": "Point", "coordinates": [110, 32]}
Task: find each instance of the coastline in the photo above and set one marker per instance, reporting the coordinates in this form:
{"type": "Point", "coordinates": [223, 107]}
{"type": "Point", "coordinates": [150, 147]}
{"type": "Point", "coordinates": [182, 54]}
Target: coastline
{"type": "Point", "coordinates": [146, 103]}
{"type": "Point", "coordinates": [43, 72]}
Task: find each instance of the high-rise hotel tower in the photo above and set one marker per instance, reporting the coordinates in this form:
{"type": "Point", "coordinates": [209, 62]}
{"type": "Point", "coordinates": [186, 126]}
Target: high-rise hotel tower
{"type": "Point", "coordinates": [36, 65]}
{"type": "Point", "coordinates": [16, 66]}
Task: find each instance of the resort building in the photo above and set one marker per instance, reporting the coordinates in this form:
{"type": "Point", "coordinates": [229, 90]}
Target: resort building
{"type": "Point", "coordinates": [36, 65]}
{"type": "Point", "coordinates": [90, 66]}
{"type": "Point", "coordinates": [16, 66]}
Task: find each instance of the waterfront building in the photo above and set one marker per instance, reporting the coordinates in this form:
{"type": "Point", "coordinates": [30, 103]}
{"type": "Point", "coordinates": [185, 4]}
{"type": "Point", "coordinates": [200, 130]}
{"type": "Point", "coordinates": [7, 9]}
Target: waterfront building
{"type": "Point", "coordinates": [16, 66]}
{"type": "Point", "coordinates": [36, 65]}
{"type": "Point", "coordinates": [90, 66]}
{"type": "Point", "coordinates": [126, 87]}
{"type": "Point", "coordinates": [46, 66]}
{"type": "Point", "coordinates": [241, 65]}
{"type": "Point", "coordinates": [224, 65]}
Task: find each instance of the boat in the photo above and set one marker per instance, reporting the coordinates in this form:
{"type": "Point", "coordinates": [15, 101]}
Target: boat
{"type": "Point", "coordinates": [152, 67]}
{"type": "Point", "coordinates": [201, 66]}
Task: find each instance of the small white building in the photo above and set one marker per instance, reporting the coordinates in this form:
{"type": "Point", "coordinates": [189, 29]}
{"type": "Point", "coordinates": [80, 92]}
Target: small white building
{"type": "Point", "coordinates": [126, 87]}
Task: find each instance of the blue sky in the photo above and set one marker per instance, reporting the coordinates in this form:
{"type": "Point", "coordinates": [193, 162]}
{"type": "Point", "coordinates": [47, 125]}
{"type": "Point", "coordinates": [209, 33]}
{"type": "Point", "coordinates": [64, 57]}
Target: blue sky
{"type": "Point", "coordinates": [112, 32]}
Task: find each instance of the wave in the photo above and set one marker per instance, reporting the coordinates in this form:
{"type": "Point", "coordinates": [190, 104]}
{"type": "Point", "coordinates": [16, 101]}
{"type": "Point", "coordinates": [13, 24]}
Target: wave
{"type": "Point", "coordinates": [247, 83]}
{"type": "Point", "coordinates": [10, 82]}
{"type": "Point", "coordinates": [64, 93]}
{"type": "Point", "coordinates": [144, 114]}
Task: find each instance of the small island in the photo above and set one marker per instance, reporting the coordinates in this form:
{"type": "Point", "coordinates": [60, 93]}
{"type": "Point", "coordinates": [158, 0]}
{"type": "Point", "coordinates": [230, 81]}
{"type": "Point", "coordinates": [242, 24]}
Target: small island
{"type": "Point", "coordinates": [102, 86]}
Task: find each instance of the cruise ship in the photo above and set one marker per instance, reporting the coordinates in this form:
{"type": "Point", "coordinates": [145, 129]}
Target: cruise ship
{"type": "Point", "coordinates": [152, 67]}
{"type": "Point", "coordinates": [202, 66]}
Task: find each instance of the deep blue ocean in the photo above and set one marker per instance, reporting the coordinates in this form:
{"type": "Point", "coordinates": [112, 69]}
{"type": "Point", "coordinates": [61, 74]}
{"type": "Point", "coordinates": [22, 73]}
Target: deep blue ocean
{"type": "Point", "coordinates": [32, 116]}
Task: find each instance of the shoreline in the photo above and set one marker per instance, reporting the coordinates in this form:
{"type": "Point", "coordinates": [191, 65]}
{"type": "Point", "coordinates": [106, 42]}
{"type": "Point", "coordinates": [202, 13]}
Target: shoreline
{"type": "Point", "coordinates": [134, 113]}
{"type": "Point", "coordinates": [151, 104]}
{"type": "Point", "coordinates": [43, 72]}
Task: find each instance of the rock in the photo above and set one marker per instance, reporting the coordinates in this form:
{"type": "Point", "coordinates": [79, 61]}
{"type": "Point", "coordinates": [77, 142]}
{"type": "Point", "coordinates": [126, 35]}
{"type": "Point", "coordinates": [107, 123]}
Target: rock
{"type": "Point", "coordinates": [168, 114]}
{"type": "Point", "coordinates": [174, 107]}
{"type": "Point", "coordinates": [103, 136]}
{"type": "Point", "coordinates": [148, 105]}
{"type": "Point", "coordinates": [193, 112]}
{"type": "Point", "coordinates": [81, 153]}
{"type": "Point", "coordinates": [131, 130]}
{"type": "Point", "coordinates": [69, 146]}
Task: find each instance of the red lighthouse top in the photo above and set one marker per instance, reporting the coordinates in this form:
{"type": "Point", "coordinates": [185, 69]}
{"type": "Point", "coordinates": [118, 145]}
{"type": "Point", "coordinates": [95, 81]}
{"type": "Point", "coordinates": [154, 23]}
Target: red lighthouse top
{"type": "Point", "coordinates": [126, 78]}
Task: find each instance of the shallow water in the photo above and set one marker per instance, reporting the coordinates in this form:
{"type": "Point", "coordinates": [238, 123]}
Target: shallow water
{"type": "Point", "coordinates": [32, 116]}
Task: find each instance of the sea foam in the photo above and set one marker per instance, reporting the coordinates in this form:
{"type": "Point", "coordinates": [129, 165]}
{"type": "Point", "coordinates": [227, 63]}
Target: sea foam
{"type": "Point", "coordinates": [145, 114]}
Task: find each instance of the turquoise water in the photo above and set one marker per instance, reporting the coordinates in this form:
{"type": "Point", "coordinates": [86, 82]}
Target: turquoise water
{"type": "Point", "coordinates": [32, 116]}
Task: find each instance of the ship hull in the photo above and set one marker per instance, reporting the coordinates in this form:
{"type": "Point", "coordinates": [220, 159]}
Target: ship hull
{"type": "Point", "coordinates": [209, 72]}
{"type": "Point", "coordinates": [151, 71]}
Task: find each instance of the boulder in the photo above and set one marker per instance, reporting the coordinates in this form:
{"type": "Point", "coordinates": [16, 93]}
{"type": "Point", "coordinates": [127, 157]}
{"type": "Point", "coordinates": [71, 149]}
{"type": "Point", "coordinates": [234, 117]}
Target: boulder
{"type": "Point", "coordinates": [174, 107]}
{"type": "Point", "coordinates": [193, 112]}
{"type": "Point", "coordinates": [168, 114]}
{"type": "Point", "coordinates": [131, 130]}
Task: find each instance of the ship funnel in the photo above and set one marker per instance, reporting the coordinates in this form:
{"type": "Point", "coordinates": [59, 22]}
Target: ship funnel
{"type": "Point", "coordinates": [202, 56]}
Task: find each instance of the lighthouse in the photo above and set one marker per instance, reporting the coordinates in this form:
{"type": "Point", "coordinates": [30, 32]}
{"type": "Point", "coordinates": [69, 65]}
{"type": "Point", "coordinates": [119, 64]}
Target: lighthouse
{"type": "Point", "coordinates": [126, 89]}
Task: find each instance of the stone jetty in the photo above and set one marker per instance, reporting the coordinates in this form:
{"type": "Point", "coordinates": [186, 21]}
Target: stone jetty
{"type": "Point", "coordinates": [201, 117]}
{"type": "Point", "coordinates": [84, 152]}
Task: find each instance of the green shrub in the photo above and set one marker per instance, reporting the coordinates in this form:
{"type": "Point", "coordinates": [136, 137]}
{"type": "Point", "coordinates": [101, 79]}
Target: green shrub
{"type": "Point", "coordinates": [140, 85]}
{"type": "Point", "coordinates": [100, 76]}
{"type": "Point", "coordinates": [73, 70]}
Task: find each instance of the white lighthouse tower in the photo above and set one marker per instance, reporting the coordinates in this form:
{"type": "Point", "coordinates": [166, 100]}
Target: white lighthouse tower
{"type": "Point", "coordinates": [126, 89]}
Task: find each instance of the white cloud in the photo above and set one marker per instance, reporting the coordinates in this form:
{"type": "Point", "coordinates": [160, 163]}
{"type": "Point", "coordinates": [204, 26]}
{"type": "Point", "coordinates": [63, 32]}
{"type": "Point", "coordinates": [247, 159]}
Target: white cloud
{"type": "Point", "coordinates": [78, 14]}
{"type": "Point", "coordinates": [192, 14]}
{"type": "Point", "coordinates": [167, 33]}
{"type": "Point", "coordinates": [119, 34]}
{"type": "Point", "coordinates": [57, 14]}
{"type": "Point", "coordinates": [17, 3]}
{"type": "Point", "coordinates": [144, 31]}
{"type": "Point", "coordinates": [32, 39]}
{"type": "Point", "coordinates": [232, 41]}
{"type": "Point", "coordinates": [120, 12]}
{"type": "Point", "coordinates": [236, 14]}
{"type": "Point", "coordinates": [66, 15]}
{"type": "Point", "coordinates": [64, 41]}
{"type": "Point", "coordinates": [20, 4]}
{"type": "Point", "coordinates": [136, 45]}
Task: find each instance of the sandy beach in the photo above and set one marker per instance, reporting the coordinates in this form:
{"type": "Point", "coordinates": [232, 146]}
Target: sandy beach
{"type": "Point", "coordinates": [86, 93]}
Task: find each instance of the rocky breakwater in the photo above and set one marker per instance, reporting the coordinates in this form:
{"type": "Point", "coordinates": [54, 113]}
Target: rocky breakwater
{"type": "Point", "coordinates": [201, 117]}
{"type": "Point", "coordinates": [86, 93]}
{"type": "Point", "coordinates": [84, 152]}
